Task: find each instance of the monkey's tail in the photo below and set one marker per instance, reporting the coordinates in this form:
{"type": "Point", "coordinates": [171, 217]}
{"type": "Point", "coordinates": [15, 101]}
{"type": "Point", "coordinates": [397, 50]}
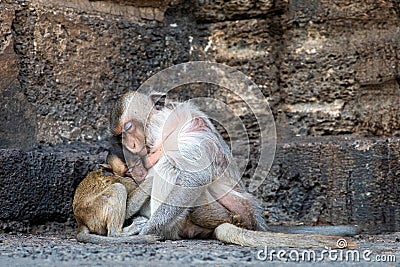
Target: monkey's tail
{"type": "Point", "coordinates": [230, 233]}
{"type": "Point", "coordinates": [342, 230]}
{"type": "Point", "coordinates": [99, 239]}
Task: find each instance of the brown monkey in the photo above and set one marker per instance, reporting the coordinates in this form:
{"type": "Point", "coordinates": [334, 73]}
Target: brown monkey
{"type": "Point", "coordinates": [99, 207]}
{"type": "Point", "coordinates": [116, 163]}
{"type": "Point", "coordinates": [181, 181]}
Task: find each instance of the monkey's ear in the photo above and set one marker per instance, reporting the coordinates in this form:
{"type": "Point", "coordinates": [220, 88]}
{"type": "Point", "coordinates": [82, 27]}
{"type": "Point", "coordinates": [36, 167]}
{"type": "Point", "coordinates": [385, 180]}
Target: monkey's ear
{"type": "Point", "coordinates": [158, 99]}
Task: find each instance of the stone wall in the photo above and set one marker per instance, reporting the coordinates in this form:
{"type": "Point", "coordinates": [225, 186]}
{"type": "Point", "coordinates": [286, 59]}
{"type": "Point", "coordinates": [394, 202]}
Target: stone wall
{"type": "Point", "coordinates": [327, 68]}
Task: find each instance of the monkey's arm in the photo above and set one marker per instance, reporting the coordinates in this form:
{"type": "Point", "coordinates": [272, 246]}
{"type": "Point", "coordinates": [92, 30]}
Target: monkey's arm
{"type": "Point", "coordinates": [138, 197]}
{"type": "Point", "coordinates": [152, 158]}
{"type": "Point", "coordinates": [175, 206]}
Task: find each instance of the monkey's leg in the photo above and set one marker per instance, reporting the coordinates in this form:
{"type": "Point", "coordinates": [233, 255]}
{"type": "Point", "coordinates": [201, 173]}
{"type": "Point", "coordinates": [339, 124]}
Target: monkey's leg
{"type": "Point", "coordinates": [114, 208]}
{"type": "Point", "coordinates": [138, 197]}
{"type": "Point", "coordinates": [241, 206]}
{"type": "Point", "coordinates": [232, 234]}
{"type": "Point", "coordinates": [211, 215]}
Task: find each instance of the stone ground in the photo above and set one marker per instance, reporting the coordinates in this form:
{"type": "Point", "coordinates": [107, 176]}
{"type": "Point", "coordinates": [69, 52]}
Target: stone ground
{"type": "Point", "coordinates": [59, 248]}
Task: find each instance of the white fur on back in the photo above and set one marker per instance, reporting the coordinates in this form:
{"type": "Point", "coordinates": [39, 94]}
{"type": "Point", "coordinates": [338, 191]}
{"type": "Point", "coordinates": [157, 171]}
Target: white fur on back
{"type": "Point", "coordinates": [182, 147]}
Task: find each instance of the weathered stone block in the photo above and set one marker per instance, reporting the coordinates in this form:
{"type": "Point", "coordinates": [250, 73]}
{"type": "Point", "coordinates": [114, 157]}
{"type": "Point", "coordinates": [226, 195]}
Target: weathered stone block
{"type": "Point", "coordinates": [336, 181]}
{"type": "Point", "coordinates": [38, 185]}
{"type": "Point", "coordinates": [335, 53]}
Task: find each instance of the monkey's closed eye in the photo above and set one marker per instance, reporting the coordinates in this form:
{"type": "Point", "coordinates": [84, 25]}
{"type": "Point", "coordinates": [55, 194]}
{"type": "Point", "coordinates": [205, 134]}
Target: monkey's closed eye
{"type": "Point", "coordinates": [127, 126]}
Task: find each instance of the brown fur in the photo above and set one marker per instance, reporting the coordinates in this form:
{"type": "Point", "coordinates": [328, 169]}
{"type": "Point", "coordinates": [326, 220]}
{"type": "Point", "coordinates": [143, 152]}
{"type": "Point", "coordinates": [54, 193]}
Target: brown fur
{"type": "Point", "coordinates": [99, 207]}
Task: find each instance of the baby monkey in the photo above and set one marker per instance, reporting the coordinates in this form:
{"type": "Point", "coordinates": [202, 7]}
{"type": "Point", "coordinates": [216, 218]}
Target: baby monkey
{"type": "Point", "coordinates": [116, 163]}
{"type": "Point", "coordinates": [100, 208]}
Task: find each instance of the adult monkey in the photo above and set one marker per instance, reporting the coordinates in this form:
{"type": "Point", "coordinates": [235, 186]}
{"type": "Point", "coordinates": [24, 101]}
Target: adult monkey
{"type": "Point", "coordinates": [195, 168]}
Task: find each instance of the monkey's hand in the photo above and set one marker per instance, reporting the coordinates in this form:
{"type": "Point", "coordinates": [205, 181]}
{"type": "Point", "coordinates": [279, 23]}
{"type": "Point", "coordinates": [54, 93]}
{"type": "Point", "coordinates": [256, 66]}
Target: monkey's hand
{"type": "Point", "coordinates": [152, 158]}
{"type": "Point", "coordinates": [136, 226]}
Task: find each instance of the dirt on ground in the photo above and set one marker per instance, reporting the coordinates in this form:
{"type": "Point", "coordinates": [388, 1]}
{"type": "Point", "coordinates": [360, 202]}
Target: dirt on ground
{"type": "Point", "coordinates": [50, 246]}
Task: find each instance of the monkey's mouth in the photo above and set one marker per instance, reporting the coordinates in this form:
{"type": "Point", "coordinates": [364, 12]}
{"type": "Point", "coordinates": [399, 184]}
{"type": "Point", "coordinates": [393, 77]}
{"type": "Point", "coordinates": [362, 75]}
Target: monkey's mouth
{"type": "Point", "coordinates": [140, 152]}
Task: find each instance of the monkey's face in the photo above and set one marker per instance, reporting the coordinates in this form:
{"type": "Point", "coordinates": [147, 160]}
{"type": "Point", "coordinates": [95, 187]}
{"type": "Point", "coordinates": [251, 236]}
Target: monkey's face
{"type": "Point", "coordinates": [138, 172]}
{"type": "Point", "coordinates": [133, 137]}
